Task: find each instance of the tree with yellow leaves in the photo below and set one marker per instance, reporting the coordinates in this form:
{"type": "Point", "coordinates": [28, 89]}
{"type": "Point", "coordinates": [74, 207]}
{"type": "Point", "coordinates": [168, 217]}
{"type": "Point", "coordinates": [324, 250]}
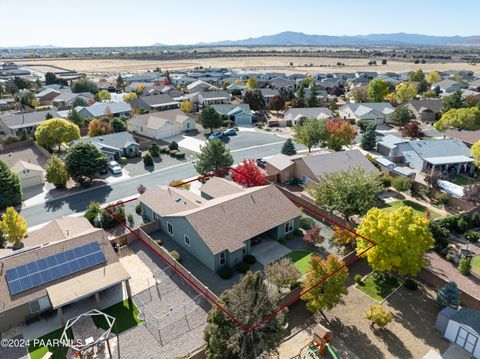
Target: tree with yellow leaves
{"type": "Point", "coordinates": [475, 152]}
{"type": "Point", "coordinates": [13, 226]}
{"type": "Point", "coordinates": [433, 77]}
{"type": "Point", "coordinates": [186, 106]}
{"type": "Point", "coordinates": [402, 237]}
{"type": "Point", "coordinates": [405, 91]}
{"type": "Point", "coordinates": [378, 315]}
{"type": "Point", "coordinates": [252, 83]}
{"type": "Point", "coordinates": [130, 97]}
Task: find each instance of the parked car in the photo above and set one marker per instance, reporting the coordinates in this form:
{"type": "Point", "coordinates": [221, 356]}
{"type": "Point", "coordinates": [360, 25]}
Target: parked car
{"type": "Point", "coordinates": [261, 163]}
{"type": "Point", "coordinates": [215, 134]}
{"type": "Point", "coordinates": [114, 167]}
{"type": "Point", "coordinates": [230, 132]}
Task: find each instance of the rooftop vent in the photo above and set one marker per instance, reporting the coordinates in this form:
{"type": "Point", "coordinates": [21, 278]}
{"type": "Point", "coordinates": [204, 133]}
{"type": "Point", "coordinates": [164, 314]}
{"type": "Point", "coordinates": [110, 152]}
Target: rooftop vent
{"type": "Point", "coordinates": [178, 199]}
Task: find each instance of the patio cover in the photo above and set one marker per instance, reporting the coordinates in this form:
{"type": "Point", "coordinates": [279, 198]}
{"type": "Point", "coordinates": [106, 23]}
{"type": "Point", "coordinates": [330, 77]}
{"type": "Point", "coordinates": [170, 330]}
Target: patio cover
{"type": "Point", "coordinates": [86, 284]}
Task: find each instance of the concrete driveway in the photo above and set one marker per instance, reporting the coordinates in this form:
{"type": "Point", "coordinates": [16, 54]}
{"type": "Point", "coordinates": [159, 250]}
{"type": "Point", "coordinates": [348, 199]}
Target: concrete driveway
{"type": "Point", "coordinates": [269, 250]}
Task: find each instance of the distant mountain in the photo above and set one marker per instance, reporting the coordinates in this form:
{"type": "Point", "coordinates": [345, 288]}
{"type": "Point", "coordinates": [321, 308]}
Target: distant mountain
{"type": "Point", "coordinates": [32, 47]}
{"type": "Point", "coordinates": [398, 39]}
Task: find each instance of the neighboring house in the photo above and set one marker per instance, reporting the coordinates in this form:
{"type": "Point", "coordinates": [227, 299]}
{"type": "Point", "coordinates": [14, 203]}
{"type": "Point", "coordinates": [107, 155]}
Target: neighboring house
{"type": "Point", "coordinates": [216, 187]}
{"type": "Point", "coordinates": [268, 94]}
{"type": "Point", "coordinates": [45, 98]}
{"type": "Point", "coordinates": [105, 108]}
{"type": "Point", "coordinates": [237, 86]}
{"type": "Point", "coordinates": [282, 83]}
{"type": "Point", "coordinates": [218, 232]}
{"type": "Point", "coordinates": [427, 111]}
{"type": "Point", "coordinates": [316, 166]}
{"type": "Point", "coordinates": [30, 174]}
{"type": "Point", "coordinates": [293, 115]}
{"type": "Point", "coordinates": [467, 137]}
{"type": "Point", "coordinates": [461, 327]}
{"type": "Point", "coordinates": [66, 99]}
{"type": "Point", "coordinates": [13, 123]}
{"type": "Point", "coordinates": [159, 125]}
{"type": "Point", "coordinates": [102, 85]}
{"type": "Point", "coordinates": [7, 103]}
{"type": "Point", "coordinates": [399, 170]}
{"type": "Point", "coordinates": [375, 112]}
{"type": "Point", "coordinates": [449, 86]}
{"type": "Point", "coordinates": [52, 277]}
{"type": "Point", "coordinates": [114, 145]}
{"type": "Point", "coordinates": [199, 86]}
{"type": "Point", "coordinates": [238, 114]}
{"type": "Point", "coordinates": [156, 102]}
{"type": "Point", "coordinates": [449, 156]}
{"type": "Point", "coordinates": [207, 98]}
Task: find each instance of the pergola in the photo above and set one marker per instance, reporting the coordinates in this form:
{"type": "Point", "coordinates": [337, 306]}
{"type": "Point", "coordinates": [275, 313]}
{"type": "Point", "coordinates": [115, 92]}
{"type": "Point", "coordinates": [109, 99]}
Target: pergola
{"type": "Point", "coordinates": [86, 337]}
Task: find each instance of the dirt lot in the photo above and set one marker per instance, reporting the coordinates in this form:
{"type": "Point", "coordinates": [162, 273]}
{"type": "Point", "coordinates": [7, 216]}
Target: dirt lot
{"type": "Point", "coordinates": [253, 63]}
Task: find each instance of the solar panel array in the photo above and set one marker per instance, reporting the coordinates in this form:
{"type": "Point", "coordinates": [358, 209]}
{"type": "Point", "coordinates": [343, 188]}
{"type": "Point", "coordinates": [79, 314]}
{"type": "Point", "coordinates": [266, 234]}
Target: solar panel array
{"type": "Point", "coordinates": [53, 267]}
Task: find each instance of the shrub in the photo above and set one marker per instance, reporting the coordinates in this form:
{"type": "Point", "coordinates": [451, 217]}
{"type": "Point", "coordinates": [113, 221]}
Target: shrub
{"type": "Point", "coordinates": [306, 222]}
{"type": "Point", "coordinates": [180, 155]}
{"type": "Point", "coordinates": [225, 273]}
{"type": "Point", "coordinates": [401, 184]}
{"type": "Point", "coordinates": [358, 278]}
{"type": "Point", "coordinates": [472, 236]}
{"type": "Point", "coordinates": [173, 146]}
{"type": "Point", "coordinates": [175, 255]}
{"type": "Point", "coordinates": [440, 234]}
{"type": "Point", "coordinates": [283, 240]}
{"type": "Point", "coordinates": [242, 267]}
{"type": "Point", "coordinates": [159, 242]}
{"type": "Point", "coordinates": [164, 149]}
{"type": "Point", "coordinates": [227, 123]}
{"type": "Point", "coordinates": [123, 160]}
{"type": "Point", "coordinates": [154, 150]}
{"type": "Point", "coordinates": [425, 191]}
{"type": "Point", "coordinates": [173, 152]}
{"type": "Point", "coordinates": [298, 233]}
{"type": "Point", "coordinates": [464, 266]}
{"type": "Point", "coordinates": [411, 284]}
{"type": "Point", "coordinates": [449, 223]}
{"type": "Point", "coordinates": [386, 181]}
{"type": "Point", "coordinates": [250, 259]}
{"type": "Point", "coordinates": [475, 219]}
{"type": "Point", "coordinates": [130, 218]}
{"type": "Point", "coordinates": [138, 208]}
{"type": "Point", "coordinates": [148, 160]}
{"type": "Point", "coordinates": [295, 284]}
{"type": "Point", "coordinates": [290, 236]}
{"type": "Point", "coordinates": [441, 198]}
{"type": "Point", "coordinates": [461, 224]}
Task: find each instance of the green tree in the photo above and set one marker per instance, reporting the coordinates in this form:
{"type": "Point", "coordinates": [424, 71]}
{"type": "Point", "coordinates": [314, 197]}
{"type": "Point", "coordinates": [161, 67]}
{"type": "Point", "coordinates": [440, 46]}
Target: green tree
{"type": "Point", "coordinates": [254, 99]}
{"type": "Point", "coordinates": [79, 102]}
{"type": "Point", "coordinates": [402, 237]}
{"type": "Point", "coordinates": [213, 157]}
{"type": "Point", "coordinates": [311, 132]}
{"type": "Point", "coordinates": [377, 90]}
{"type": "Point", "coordinates": [55, 132]}
{"type": "Point", "coordinates": [22, 83]}
{"type": "Point", "coordinates": [103, 95]}
{"type": "Point", "coordinates": [475, 152]}
{"type": "Point", "coordinates": [10, 187]}
{"type": "Point", "coordinates": [327, 294]}
{"type": "Point", "coordinates": [75, 117]}
{"type": "Point", "coordinates": [56, 172]}
{"type": "Point", "coordinates": [301, 91]}
{"type": "Point", "coordinates": [449, 295]}
{"type": "Point", "coordinates": [401, 116]}
{"type": "Point", "coordinates": [130, 97]}
{"type": "Point", "coordinates": [416, 76]}
{"type": "Point", "coordinates": [28, 99]}
{"type": "Point", "coordinates": [378, 316]}
{"type": "Point", "coordinates": [350, 192]}
{"type": "Point", "coordinates": [452, 101]}
{"type": "Point", "coordinates": [118, 125]}
{"type": "Point", "coordinates": [50, 78]}
{"type": "Point", "coordinates": [209, 118]}
{"type": "Point", "coordinates": [369, 141]}
{"type": "Point", "coordinates": [282, 273]}
{"type": "Point", "coordinates": [461, 119]}
{"type": "Point", "coordinates": [84, 85]}
{"type": "Point", "coordinates": [14, 227]}
{"type": "Point", "coordinates": [120, 82]}
{"type": "Point", "coordinates": [312, 97]}
{"type": "Point", "coordinates": [288, 148]}
{"type": "Point", "coordinates": [405, 91]}
{"type": "Point", "coordinates": [249, 301]}
{"type": "Point", "coordinates": [360, 94]}
{"type": "Point", "coordinates": [84, 160]}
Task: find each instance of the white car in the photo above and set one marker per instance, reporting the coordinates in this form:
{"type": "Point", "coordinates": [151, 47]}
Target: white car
{"type": "Point", "coordinates": [114, 167]}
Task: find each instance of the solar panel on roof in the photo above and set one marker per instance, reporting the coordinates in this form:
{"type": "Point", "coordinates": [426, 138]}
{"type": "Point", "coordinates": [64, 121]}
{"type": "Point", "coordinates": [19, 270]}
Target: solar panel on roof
{"type": "Point", "coordinates": [53, 267]}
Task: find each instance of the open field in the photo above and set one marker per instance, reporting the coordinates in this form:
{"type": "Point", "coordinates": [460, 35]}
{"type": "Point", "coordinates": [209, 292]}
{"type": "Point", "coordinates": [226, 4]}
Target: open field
{"type": "Point", "coordinates": [251, 63]}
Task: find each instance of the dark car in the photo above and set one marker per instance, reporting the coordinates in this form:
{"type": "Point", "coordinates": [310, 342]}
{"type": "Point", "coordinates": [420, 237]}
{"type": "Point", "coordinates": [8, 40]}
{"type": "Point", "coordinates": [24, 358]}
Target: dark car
{"type": "Point", "coordinates": [261, 163]}
{"type": "Point", "coordinates": [215, 135]}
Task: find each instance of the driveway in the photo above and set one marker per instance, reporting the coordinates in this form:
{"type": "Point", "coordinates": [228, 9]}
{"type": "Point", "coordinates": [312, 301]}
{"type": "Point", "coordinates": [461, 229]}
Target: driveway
{"type": "Point", "coordinates": [246, 139]}
{"type": "Point", "coordinates": [192, 143]}
{"type": "Point", "coordinates": [269, 250]}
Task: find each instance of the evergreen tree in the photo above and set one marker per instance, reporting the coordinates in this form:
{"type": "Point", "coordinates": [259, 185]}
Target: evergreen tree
{"type": "Point", "coordinates": [213, 157]}
{"type": "Point", "coordinates": [209, 118]}
{"type": "Point", "coordinates": [288, 148]}
{"type": "Point", "coordinates": [368, 138]}
{"type": "Point", "coordinates": [84, 160]}
{"type": "Point", "coordinates": [312, 98]}
{"type": "Point", "coordinates": [10, 187]}
{"type": "Point", "coordinates": [301, 91]}
{"type": "Point", "coordinates": [449, 295]}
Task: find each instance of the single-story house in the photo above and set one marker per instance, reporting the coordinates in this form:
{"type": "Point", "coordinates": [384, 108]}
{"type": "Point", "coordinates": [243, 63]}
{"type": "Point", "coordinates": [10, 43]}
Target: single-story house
{"type": "Point", "coordinates": [282, 83]}
{"type": "Point", "coordinates": [199, 86]}
{"type": "Point", "coordinates": [467, 137]}
{"type": "Point", "coordinates": [161, 124]}
{"type": "Point", "coordinates": [114, 145]}
{"type": "Point", "coordinates": [45, 98]}
{"type": "Point", "coordinates": [449, 86]}
{"type": "Point", "coordinates": [51, 277]}
{"type": "Point", "coordinates": [268, 94]}
{"type": "Point", "coordinates": [448, 156]}
{"type": "Point", "coordinates": [239, 114]}
{"type": "Point", "coordinates": [196, 224]}
{"type": "Point", "coordinates": [461, 327]}
{"type": "Point", "coordinates": [66, 99]}
{"type": "Point", "coordinates": [216, 187]}
{"type": "Point", "coordinates": [13, 123]}
{"type": "Point", "coordinates": [156, 102]}
{"type": "Point", "coordinates": [293, 115]}
{"type": "Point", "coordinates": [30, 174]}
{"type": "Point", "coordinates": [313, 168]}
{"type": "Point", "coordinates": [402, 171]}
{"type": "Point", "coordinates": [428, 110]}
{"type": "Point", "coordinates": [207, 98]}
{"type": "Point", "coordinates": [7, 103]}
{"type": "Point", "coordinates": [116, 109]}
{"type": "Point", "coordinates": [375, 112]}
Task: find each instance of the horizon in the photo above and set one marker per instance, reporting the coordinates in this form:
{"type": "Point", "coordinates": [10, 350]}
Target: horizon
{"type": "Point", "coordinates": [148, 28]}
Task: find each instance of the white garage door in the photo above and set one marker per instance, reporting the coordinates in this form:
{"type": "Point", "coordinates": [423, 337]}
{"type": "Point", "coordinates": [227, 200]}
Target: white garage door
{"type": "Point", "coordinates": [31, 181]}
{"type": "Point", "coordinates": [466, 340]}
{"type": "Point", "coordinates": [243, 120]}
{"type": "Point", "coordinates": [167, 132]}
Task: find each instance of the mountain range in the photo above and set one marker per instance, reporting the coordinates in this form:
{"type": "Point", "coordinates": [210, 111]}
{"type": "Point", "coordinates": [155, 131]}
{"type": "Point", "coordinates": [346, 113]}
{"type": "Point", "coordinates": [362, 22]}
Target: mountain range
{"type": "Point", "coordinates": [292, 38]}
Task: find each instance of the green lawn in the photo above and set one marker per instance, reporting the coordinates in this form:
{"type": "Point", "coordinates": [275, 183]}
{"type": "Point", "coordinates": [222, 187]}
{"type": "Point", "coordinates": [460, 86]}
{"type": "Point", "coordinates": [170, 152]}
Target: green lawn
{"type": "Point", "coordinates": [125, 314]}
{"type": "Point", "coordinates": [476, 264]}
{"type": "Point", "coordinates": [59, 352]}
{"type": "Point", "coordinates": [300, 259]}
{"type": "Point", "coordinates": [377, 289]}
{"type": "Point", "coordinates": [416, 206]}
{"type": "Point", "coordinates": [462, 181]}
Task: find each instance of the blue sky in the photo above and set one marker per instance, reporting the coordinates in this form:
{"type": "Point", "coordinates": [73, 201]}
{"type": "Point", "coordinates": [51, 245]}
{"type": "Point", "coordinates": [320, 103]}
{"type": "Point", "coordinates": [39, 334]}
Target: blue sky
{"type": "Point", "coordinates": [144, 22]}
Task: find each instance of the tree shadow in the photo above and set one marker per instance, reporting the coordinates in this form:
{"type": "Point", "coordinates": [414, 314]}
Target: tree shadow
{"type": "Point", "coordinates": [393, 343]}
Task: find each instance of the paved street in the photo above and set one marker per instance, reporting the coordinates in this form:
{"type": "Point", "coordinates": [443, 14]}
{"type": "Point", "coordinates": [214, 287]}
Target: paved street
{"type": "Point", "coordinates": [78, 203]}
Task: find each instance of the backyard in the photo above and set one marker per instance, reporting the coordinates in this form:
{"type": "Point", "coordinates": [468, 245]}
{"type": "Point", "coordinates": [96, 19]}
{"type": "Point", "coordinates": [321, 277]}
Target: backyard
{"type": "Point", "coordinates": [462, 180]}
{"type": "Point", "coordinates": [300, 259]}
{"type": "Point", "coordinates": [125, 314]}
{"type": "Point", "coordinates": [476, 264]}
{"type": "Point", "coordinates": [418, 208]}
{"type": "Point", "coordinates": [378, 287]}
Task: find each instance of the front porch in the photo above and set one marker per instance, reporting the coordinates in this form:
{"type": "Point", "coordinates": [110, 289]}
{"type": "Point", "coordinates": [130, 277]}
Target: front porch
{"type": "Point", "coordinates": [451, 168]}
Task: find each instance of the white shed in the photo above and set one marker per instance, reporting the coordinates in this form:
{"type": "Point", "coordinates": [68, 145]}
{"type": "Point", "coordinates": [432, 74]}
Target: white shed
{"type": "Point", "coordinates": [30, 175]}
{"type": "Point", "coordinates": [464, 329]}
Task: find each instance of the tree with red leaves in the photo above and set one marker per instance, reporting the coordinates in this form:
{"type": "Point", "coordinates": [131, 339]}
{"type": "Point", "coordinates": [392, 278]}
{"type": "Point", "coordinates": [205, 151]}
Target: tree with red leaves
{"type": "Point", "coordinates": [340, 133]}
{"type": "Point", "coordinates": [412, 130]}
{"type": "Point", "coordinates": [314, 236]}
{"type": "Point", "coordinates": [248, 174]}
{"type": "Point", "coordinates": [277, 103]}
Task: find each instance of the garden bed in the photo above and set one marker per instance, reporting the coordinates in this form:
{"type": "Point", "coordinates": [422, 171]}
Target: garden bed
{"type": "Point", "coordinates": [379, 289]}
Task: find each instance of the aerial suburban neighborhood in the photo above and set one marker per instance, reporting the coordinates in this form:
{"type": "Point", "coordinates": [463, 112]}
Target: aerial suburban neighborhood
{"type": "Point", "coordinates": [285, 196]}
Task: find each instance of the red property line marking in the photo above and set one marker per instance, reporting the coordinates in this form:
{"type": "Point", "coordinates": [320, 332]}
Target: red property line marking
{"type": "Point", "coordinates": [273, 314]}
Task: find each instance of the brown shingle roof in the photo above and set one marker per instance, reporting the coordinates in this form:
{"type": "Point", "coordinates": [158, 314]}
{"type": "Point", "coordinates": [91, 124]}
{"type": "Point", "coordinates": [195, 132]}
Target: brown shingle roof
{"type": "Point", "coordinates": [165, 200]}
{"type": "Point", "coordinates": [217, 187]}
{"type": "Point", "coordinates": [468, 137]}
